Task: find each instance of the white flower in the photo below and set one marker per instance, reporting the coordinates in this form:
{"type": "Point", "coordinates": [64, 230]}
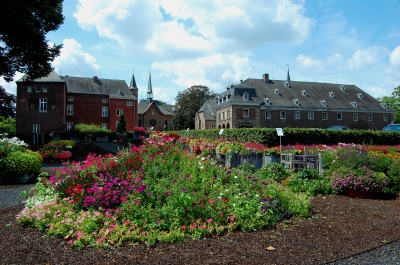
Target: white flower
{"type": "Point", "coordinates": [235, 177]}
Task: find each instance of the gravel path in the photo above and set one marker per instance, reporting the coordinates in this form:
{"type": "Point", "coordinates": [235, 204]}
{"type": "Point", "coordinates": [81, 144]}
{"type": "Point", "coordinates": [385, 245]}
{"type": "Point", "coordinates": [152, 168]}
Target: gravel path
{"type": "Point", "coordinates": [10, 196]}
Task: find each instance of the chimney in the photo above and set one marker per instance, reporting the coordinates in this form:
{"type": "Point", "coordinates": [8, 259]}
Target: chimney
{"type": "Point", "coordinates": [266, 78]}
{"type": "Point", "coordinates": [95, 79]}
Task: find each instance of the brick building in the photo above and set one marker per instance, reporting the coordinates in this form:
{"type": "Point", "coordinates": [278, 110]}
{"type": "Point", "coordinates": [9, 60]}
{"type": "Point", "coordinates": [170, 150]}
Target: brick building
{"type": "Point", "coordinates": [153, 113]}
{"type": "Point", "coordinates": [285, 103]}
{"type": "Point", "coordinates": [56, 103]}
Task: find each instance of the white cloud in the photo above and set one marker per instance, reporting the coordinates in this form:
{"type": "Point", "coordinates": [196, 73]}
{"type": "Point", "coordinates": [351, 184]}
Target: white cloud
{"type": "Point", "coordinates": [74, 61]}
{"type": "Point", "coordinates": [181, 27]}
{"type": "Point", "coordinates": [395, 56]}
{"type": "Point", "coordinates": [11, 87]}
{"type": "Point", "coordinates": [308, 62]}
{"type": "Point", "coordinates": [214, 71]}
{"type": "Point", "coordinates": [366, 58]}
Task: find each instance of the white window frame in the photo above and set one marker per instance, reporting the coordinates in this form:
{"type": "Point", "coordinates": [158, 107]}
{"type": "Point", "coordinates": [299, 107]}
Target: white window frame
{"type": "Point", "coordinates": [297, 115]}
{"type": "Point", "coordinates": [70, 124]}
{"type": "Point", "coordinates": [104, 111]}
{"type": "Point", "coordinates": [213, 125]}
{"type": "Point", "coordinates": [104, 125]}
{"type": "Point", "coordinates": [70, 110]}
{"type": "Point", "coordinates": [129, 103]}
{"type": "Point", "coordinates": [38, 89]}
{"type": "Point", "coordinates": [104, 100]}
{"type": "Point", "coordinates": [29, 89]}
{"type": "Point", "coordinates": [70, 98]}
{"type": "Point", "coordinates": [339, 116]}
{"type": "Point", "coordinates": [223, 115]}
{"type": "Point", "coordinates": [248, 113]}
{"type": "Point", "coordinates": [268, 114]}
{"type": "Point", "coordinates": [282, 115]}
{"type": "Point", "coordinates": [385, 117]}
{"type": "Point", "coordinates": [228, 114]}
{"type": "Point", "coordinates": [311, 115]}
{"type": "Point", "coordinates": [44, 89]}
{"type": "Point", "coordinates": [42, 104]}
{"type": "Point", "coordinates": [355, 116]}
{"type": "Point", "coordinates": [324, 116]}
{"type": "Point", "coordinates": [245, 96]}
{"type": "Point", "coordinates": [36, 128]}
{"type": "Point", "coordinates": [370, 117]}
{"type": "Point", "coordinates": [119, 112]}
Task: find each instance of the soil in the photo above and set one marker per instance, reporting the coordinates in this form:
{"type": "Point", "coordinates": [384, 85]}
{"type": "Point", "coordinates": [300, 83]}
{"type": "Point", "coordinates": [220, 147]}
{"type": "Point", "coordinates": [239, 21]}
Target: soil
{"type": "Point", "coordinates": [340, 226]}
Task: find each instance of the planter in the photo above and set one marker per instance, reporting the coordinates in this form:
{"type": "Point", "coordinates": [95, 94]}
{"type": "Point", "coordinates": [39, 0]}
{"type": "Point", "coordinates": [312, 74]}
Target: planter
{"type": "Point", "coordinates": [254, 160]}
{"type": "Point", "coordinates": [25, 178]}
{"type": "Point", "coordinates": [360, 194]}
{"type": "Point", "coordinates": [102, 139]}
{"type": "Point", "coordinates": [271, 158]}
{"type": "Point", "coordinates": [232, 160]}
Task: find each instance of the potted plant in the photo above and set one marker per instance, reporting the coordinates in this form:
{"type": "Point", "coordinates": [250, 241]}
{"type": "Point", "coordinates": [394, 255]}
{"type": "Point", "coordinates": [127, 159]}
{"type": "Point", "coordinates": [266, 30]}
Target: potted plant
{"type": "Point", "coordinates": [20, 166]}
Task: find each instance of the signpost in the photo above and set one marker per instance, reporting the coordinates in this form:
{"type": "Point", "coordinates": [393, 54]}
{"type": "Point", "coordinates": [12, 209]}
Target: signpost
{"type": "Point", "coordinates": [279, 131]}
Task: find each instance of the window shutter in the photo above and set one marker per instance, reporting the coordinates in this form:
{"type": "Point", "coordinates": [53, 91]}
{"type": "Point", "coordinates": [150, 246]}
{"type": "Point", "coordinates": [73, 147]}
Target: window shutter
{"type": "Point", "coordinates": [252, 113]}
{"type": "Point", "coordinates": [239, 113]}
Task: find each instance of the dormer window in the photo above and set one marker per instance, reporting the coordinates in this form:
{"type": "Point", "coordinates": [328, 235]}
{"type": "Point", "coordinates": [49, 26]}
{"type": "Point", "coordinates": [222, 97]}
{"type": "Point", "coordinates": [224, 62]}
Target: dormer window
{"type": "Point", "coordinates": [267, 101]}
{"type": "Point", "coordinates": [342, 88]}
{"type": "Point", "coordinates": [331, 94]}
{"type": "Point", "coordinates": [384, 105]}
{"type": "Point", "coordinates": [245, 96]}
{"type": "Point", "coordinates": [354, 104]}
{"type": "Point", "coordinates": [323, 103]}
{"type": "Point", "coordinates": [120, 92]}
{"type": "Point", "coordinates": [304, 93]}
{"type": "Point", "coordinates": [360, 95]}
{"type": "Point", "coordinates": [296, 101]}
{"type": "Point", "coordinates": [287, 84]}
{"type": "Point", "coordinates": [277, 91]}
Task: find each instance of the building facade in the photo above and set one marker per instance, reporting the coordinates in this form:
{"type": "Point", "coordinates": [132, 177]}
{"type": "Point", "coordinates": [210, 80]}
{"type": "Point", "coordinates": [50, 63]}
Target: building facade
{"type": "Point", "coordinates": [153, 113]}
{"type": "Point", "coordinates": [285, 103]}
{"type": "Point", "coordinates": [56, 103]}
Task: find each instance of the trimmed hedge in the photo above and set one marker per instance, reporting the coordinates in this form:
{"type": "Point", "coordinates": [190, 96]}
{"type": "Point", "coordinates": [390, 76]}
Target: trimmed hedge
{"type": "Point", "coordinates": [269, 137]}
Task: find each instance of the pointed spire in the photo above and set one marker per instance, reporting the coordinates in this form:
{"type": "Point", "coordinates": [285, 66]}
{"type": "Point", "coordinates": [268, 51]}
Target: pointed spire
{"type": "Point", "coordinates": [133, 81]}
{"type": "Point", "coordinates": [288, 75]}
{"type": "Point", "coordinates": [150, 89]}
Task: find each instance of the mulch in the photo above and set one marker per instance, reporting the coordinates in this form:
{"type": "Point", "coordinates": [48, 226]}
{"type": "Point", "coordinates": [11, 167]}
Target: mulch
{"type": "Point", "coordinates": [339, 227]}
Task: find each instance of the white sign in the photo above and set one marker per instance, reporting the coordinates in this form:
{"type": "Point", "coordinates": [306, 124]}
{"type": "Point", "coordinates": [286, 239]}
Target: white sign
{"type": "Point", "coordinates": [279, 131]}
{"type": "Point", "coordinates": [221, 131]}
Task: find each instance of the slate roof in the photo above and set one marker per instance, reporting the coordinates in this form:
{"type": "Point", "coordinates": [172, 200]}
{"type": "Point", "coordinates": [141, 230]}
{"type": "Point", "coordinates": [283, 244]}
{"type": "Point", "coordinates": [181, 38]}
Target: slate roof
{"type": "Point", "coordinates": [208, 109]}
{"type": "Point", "coordinates": [117, 89]}
{"type": "Point", "coordinates": [310, 95]}
{"type": "Point", "coordinates": [145, 104]}
{"type": "Point", "coordinates": [52, 77]}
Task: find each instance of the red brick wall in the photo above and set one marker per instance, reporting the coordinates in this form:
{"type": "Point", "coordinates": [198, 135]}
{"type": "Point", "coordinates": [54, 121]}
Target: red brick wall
{"type": "Point", "coordinates": [27, 110]}
{"type": "Point", "coordinates": [130, 113]}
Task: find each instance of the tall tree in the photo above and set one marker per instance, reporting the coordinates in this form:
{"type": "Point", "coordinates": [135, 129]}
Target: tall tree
{"type": "Point", "coordinates": [187, 103]}
{"type": "Point", "coordinates": [23, 44]}
{"type": "Point", "coordinates": [393, 101]}
{"type": "Point", "coordinates": [7, 104]}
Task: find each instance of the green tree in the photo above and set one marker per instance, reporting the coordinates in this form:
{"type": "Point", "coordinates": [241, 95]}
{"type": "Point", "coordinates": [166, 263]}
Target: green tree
{"type": "Point", "coordinates": [393, 101]}
{"type": "Point", "coordinates": [23, 44]}
{"type": "Point", "coordinates": [8, 125]}
{"type": "Point", "coordinates": [187, 103]}
{"type": "Point", "coordinates": [7, 104]}
{"type": "Point", "coordinates": [121, 127]}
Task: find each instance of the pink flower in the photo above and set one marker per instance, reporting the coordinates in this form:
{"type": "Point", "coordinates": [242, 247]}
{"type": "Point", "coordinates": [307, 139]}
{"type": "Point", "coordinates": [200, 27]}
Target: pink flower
{"type": "Point", "coordinates": [183, 227]}
{"type": "Point", "coordinates": [137, 201]}
{"type": "Point", "coordinates": [209, 220]}
{"type": "Point", "coordinates": [127, 222]}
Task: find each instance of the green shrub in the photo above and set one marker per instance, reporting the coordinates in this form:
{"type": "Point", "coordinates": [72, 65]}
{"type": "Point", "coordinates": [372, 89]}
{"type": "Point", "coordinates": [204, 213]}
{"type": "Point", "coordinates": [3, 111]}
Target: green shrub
{"type": "Point", "coordinates": [17, 163]}
{"type": "Point", "coordinates": [275, 171]}
{"type": "Point", "coordinates": [310, 182]}
{"type": "Point", "coordinates": [394, 178]}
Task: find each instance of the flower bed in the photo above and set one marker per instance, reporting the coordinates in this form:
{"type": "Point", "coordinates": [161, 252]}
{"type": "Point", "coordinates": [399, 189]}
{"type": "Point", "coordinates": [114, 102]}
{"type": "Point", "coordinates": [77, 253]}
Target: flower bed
{"type": "Point", "coordinates": [159, 192]}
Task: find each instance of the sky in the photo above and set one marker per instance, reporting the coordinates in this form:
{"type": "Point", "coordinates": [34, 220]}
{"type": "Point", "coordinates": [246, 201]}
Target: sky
{"type": "Point", "coordinates": [216, 43]}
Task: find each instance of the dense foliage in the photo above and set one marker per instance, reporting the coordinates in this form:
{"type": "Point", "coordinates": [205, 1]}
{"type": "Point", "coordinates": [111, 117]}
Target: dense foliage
{"type": "Point", "coordinates": [8, 126]}
{"type": "Point", "coordinates": [394, 101]}
{"type": "Point", "coordinates": [187, 103]}
{"type": "Point", "coordinates": [7, 104]}
{"type": "Point", "coordinates": [24, 25]}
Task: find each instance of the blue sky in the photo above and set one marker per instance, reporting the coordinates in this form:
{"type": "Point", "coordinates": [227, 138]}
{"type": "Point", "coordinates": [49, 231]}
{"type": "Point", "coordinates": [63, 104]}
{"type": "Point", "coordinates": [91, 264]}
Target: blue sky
{"type": "Point", "coordinates": [217, 43]}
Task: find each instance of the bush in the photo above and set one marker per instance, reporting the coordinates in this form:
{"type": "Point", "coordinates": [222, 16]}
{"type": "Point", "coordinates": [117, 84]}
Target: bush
{"type": "Point", "coordinates": [17, 163]}
{"type": "Point", "coordinates": [394, 178]}
{"type": "Point", "coordinates": [275, 171]}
